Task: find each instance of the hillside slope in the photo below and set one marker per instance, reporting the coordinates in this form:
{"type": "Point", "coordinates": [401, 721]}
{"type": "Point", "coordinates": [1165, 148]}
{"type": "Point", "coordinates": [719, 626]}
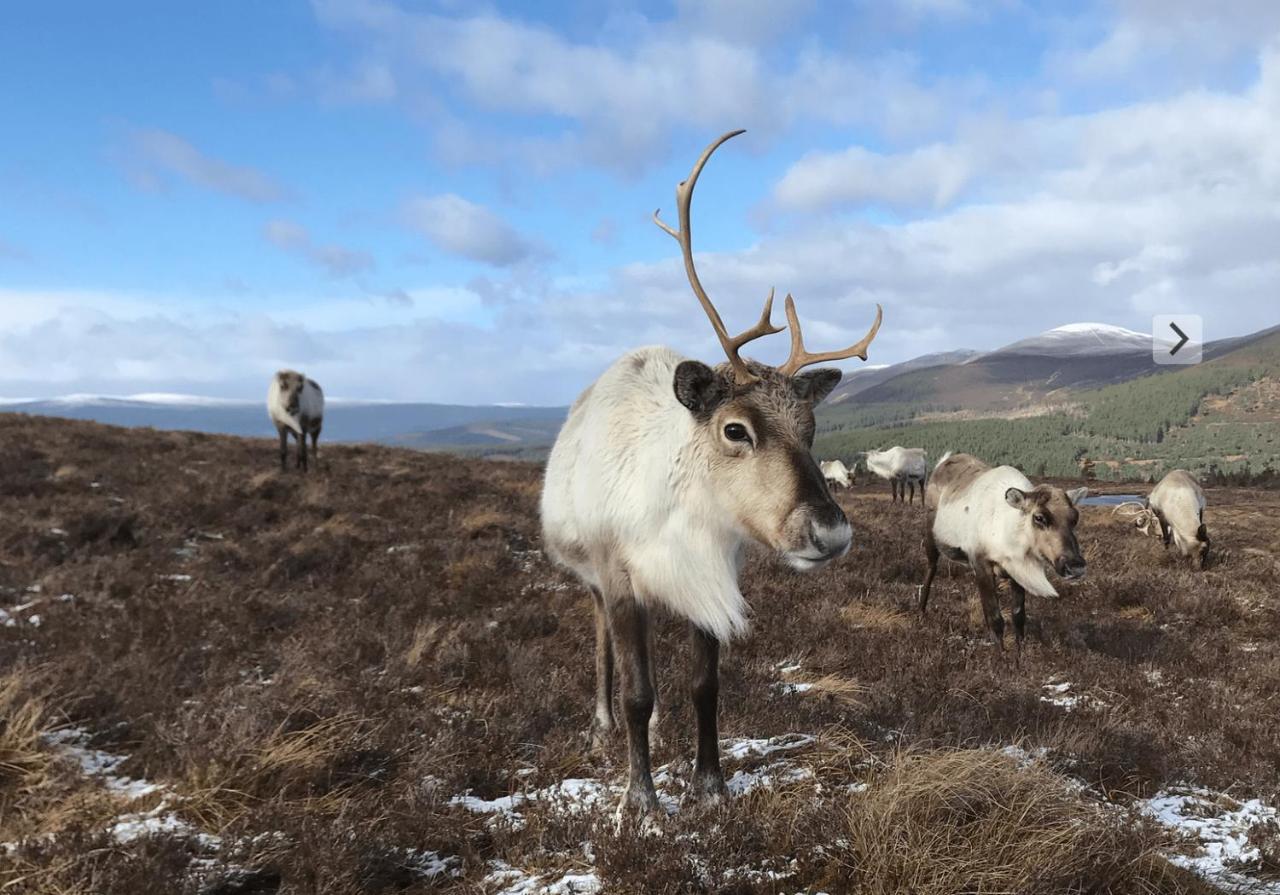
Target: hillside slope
{"type": "Point", "coordinates": [1217, 417]}
{"type": "Point", "coordinates": [1027, 377]}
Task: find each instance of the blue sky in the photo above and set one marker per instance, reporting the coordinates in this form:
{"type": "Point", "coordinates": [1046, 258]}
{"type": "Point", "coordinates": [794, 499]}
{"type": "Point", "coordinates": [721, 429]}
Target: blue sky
{"type": "Point", "coordinates": [448, 201]}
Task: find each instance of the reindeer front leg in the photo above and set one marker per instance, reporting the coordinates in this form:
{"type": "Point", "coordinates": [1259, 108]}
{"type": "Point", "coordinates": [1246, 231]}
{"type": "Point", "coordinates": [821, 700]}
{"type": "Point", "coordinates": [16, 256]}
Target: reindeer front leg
{"type": "Point", "coordinates": [284, 448]}
{"type": "Point", "coordinates": [602, 725]}
{"type": "Point", "coordinates": [629, 630]}
{"type": "Point", "coordinates": [1019, 615]}
{"type": "Point", "coordinates": [708, 779]}
{"type": "Point", "coordinates": [990, 597]}
{"type": "Point", "coordinates": [931, 555]}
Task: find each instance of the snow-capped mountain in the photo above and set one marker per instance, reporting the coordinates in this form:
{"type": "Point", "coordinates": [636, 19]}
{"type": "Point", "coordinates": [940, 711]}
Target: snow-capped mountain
{"type": "Point", "coordinates": [1081, 339]}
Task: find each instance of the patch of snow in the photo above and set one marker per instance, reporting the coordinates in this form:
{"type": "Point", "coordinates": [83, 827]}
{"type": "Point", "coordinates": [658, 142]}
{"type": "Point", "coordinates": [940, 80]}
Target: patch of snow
{"type": "Point", "coordinates": [776, 773]}
{"type": "Point", "coordinates": [159, 820]}
{"type": "Point", "coordinates": [574, 794]}
{"type": "Point", "coordinates": [176, 577]}
{"type": "Point", "coordinates": [34, 621]}
{"type": "Point", "coordinates": [517, 882]}
{"type": "Point", "coordinates": [1220, 826]}
{"type": "Point", "coordinates": [429, 864]}
{"type": "Point", "coordinates": [70, 743]}
{"type": "Point", "coordinates": [743, 747]}
{"type": "Point", "coordinates": [788, 688]}
{"type": "Point", "coordinates": [1060, 694]}
{"type": "Point", "coordinates": [1023, 757]}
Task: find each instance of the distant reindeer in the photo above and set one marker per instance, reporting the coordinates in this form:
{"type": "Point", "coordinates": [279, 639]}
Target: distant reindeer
{"type": "Point", "coordinates": [836, 474]}
{"type": "Point", "coordinates": [1178, 504]}
{"type": "Point", "coordinates": [296, 404]}
{"type": "Point", "coordinates": [663, 471]}
{"type": "Point", "coordinates": [1004, 528]}
{"type": "Point", "coordinates": [902, 467]}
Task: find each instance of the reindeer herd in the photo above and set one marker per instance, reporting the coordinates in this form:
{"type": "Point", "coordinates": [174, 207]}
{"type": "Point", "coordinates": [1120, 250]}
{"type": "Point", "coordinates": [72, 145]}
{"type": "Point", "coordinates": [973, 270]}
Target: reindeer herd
{"type": "Point", "coordinates": [666, 469]}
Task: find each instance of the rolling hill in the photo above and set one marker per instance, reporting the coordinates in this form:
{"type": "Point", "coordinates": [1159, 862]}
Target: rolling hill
{"type": "Point", "coordinates": [1220, 417]}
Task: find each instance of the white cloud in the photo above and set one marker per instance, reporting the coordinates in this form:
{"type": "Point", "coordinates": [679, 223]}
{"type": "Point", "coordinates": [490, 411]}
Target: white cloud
{"type": "Point", "coordinates": [617, 102]}
{"type": "Point", "coordinates": [461, 227]}
{"type": "Point", "coordinates": [335, 260]}
{"type": "Point", "coordinates": [158, 154]}
{"type": "Point", "coordinates": [932, 175]}
{"type": "Point", "coordinates": [1170, 42]}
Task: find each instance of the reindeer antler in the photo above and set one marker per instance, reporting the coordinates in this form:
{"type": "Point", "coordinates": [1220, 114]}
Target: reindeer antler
{"type": "Point", "coordinates": [763, 327]}
{"type": "Point", "coordinates": [800, 358]}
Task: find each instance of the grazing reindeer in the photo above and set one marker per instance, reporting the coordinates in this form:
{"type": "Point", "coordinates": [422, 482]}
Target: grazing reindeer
{"type": "Point", "coordinates": [1178, 504]}
{"type": "Point", "coordinates": [1003, 527]}
{"type": "Point", "coordinates": [836, 474]}
{"type": "Point", "coordinates": [296, 404]}
{"type": "Point", "coordinates": [902, 467]}
{"type": "Point", "coordinates": [663, 471]}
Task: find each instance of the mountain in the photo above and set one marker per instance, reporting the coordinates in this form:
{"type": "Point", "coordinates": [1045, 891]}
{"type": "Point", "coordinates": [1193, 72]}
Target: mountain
{"type": "Point", "coordinates": [1025, 378]}
{"type": "Point", "coordinates": [1079, 340]}
{"type": "Point", "coordinates": [1042, 369]}
{"type": "Point", "coordinates": [1219, 418]}
{"type": "Point", "coordinates": [859, 380]}
{"type": "Point", "coordinates": [409, 424]}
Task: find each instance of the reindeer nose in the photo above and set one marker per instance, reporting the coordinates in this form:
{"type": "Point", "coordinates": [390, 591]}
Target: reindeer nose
{"type": "Point", "coordinates": [831, 537]}
{"type": "Point", "coordinates": [1071, 568]}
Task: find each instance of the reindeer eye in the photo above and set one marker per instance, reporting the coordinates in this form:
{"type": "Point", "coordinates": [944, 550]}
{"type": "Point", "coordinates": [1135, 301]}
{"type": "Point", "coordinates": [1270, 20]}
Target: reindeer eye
{"type": "Point", "coordinates": [737, 432]}
{"type": "Point", "coordinates": [1040, 519]}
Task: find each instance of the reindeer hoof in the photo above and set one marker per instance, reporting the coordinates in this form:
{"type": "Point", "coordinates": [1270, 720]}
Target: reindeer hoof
{"type": "Point", "coordinates": [599, 737]}
{"type": "Point", "coordinates": [639, 803]}
{"type": "Point", "coordinates": [708, 787]}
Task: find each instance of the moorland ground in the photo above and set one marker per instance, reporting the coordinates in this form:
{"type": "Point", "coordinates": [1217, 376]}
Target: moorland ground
{"type": "Point", "coordinates": [311, 669]}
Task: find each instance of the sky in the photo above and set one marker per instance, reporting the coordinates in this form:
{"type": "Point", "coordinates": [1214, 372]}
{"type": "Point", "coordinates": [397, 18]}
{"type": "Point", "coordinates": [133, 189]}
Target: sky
{"type": "Point", "coordinates": [450, 201]}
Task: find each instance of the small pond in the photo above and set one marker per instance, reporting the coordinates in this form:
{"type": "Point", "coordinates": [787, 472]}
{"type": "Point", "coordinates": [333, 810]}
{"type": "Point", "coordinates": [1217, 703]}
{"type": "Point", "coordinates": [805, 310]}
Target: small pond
{"type": "Point", "coordinates": [1111, 500]}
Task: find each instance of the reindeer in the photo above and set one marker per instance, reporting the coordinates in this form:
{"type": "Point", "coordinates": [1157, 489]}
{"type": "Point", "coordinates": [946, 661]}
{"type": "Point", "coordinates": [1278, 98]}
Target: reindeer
{"type": "Point", "coordinates": [902, 467]}
{"type": "Point", "coordinates": [296, 404]}
{"type": "Point", "coordinates": [1004, 528]}
{"type": "Point", "coordinates": [836, 474]}
{"type": "Point", "coordinates": [664, 470]}
{"type": "Point", "coordinates": [1178, 504]}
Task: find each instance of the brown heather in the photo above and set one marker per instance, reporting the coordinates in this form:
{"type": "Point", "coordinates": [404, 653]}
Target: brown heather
{"type": "Point", "coordinates": [356, 646]}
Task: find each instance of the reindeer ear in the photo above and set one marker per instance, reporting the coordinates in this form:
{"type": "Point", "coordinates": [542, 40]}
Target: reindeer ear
{"type": "Point", "coordinates": [1015, 497]}
{"type": "Point", "coordinates": [698, 387]}
{"type": "Point", "coordinates": [816, 384]}
{"type": "Point", "coordinates": [1075, 495]}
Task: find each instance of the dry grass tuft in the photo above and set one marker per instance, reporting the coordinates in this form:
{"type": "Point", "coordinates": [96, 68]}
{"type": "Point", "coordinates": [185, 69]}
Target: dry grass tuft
{"type": "Point", "coordinates": [24, 716]}
{"type": "Point", "coordinates": [935, 823]}
{"type": "Point", "coordinates": [861, 614]}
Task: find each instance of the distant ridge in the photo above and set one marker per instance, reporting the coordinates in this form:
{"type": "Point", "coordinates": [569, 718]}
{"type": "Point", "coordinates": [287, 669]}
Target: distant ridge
{"type": "Point", "coordinates": [433, 426]}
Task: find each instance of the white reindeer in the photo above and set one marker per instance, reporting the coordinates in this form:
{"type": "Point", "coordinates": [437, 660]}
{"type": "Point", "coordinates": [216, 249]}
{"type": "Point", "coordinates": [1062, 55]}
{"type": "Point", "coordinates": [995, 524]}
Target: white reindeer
{"type": "Point", "coordinates": [1178, 504]}
{"type": "Point", "coordinates": [836, 474]}
{"type": "Point", "coordinates": [662, 473]}
{"type": "Point", "coordinates": [1004, 528]}
{"type": "Point", "coordinates": [902, 467]}
{"type": "Point", "coordinates": [296, 404]}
